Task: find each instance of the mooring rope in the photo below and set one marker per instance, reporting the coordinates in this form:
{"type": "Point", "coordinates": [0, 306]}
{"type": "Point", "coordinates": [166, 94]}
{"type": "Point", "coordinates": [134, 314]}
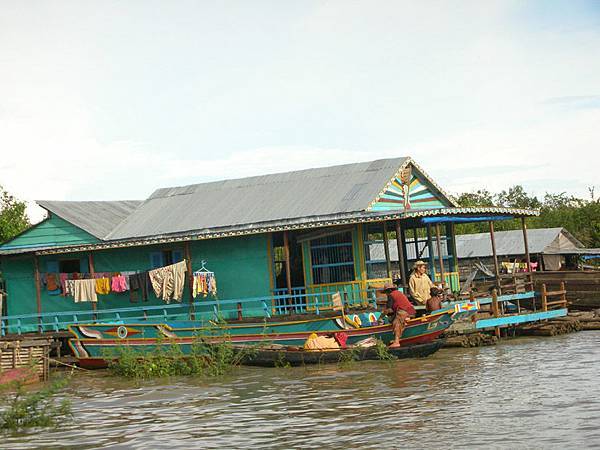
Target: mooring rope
{"type": "Point", "coordinates": [65, 364]}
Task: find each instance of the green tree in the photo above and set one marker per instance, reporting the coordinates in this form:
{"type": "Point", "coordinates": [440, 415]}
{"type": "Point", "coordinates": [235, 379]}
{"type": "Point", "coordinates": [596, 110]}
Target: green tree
{"type": "Point", "coordinates": [481, 197]}
{"type": "Point", "coordinates": [13, 217]}
{"type": "Point", "coordinates": [516, 197]}
{"type": "Point", "coordinates": [579, 216]}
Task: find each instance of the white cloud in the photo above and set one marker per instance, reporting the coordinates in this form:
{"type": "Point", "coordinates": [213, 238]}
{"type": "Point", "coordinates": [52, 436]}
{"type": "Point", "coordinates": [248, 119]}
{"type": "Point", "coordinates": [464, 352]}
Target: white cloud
{"type": "Point", "coordinates": [95, 106]}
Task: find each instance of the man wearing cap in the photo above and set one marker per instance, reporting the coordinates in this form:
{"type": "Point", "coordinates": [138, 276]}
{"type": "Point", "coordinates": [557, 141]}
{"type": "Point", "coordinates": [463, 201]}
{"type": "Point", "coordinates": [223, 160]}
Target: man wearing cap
{"type": "Point", "coordinates": [398, 309]}
{"type": "Point", "coordinates": [419, 283]}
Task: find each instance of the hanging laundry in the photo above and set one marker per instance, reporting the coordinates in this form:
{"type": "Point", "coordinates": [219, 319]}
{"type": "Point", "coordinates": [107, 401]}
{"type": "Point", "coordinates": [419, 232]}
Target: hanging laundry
{"type": "Point", "coordinates": [118, 284]}
{"type": "Point", "coordinates": [179, 270]}
{"type": "Point", "coordinates": [51, 282]}
{"type": "Point", "coordinates": [168, 282]}
{"type": "Point", "coordinates": [84, 290]}
{"type": "Point", "coordinates": [102, 285]}
{"type": "Point", "coordinates": [204, 283]}
{"type": "Point", "coordinates": [69, 287]}
{"type": "Point", "coordinates": [127, 275]}
{"type": "Point", "coordinates": [139, 282]}
{"type": "Point", "coordinates": [63, 278]}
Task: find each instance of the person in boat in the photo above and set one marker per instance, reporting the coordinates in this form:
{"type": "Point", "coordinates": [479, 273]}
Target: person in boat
{"type": "Point", "coordinates": [435, 299]}
{"type": "Point", "coordinates": [419, 283]}
{"type": "Point", "coordinates": [399, 309]}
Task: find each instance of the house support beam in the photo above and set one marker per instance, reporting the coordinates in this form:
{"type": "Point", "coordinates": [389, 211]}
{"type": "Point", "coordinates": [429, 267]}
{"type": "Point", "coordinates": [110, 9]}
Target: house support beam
{"type": "Point", "coordinates": [401, 257]}
{"type": "Point", "coordinates": [430, 249]}
{"type": "Point", "coordinates": [416, 242]}
{"type": "Point", "coordinates": [386, 249]}
{"type": "Point", "coordinates": [527, 255]}
{"type": "Point", "coordinates": [495, 256]}
{"type": "Point", "coordinates": [38, 289]}
{"type": "Point", "coordinates": [438, 240]}
{"type": "Point", "coordinates": [188, 260]}
{"type": "Point", "coordinates": [286, 255]}
{"type": "Point", "coordinates": [92, 273]}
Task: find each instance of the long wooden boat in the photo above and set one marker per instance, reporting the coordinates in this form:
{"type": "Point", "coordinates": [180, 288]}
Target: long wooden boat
{"type": "Point", "coordinates": [269, 357]}
{"type": "Point", "coordinates": [94, 343]}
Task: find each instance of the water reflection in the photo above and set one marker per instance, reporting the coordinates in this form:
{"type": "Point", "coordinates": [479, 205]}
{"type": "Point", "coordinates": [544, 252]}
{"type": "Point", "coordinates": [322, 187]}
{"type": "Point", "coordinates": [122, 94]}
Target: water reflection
{"type": "Point", "coordinates": [524, 393]}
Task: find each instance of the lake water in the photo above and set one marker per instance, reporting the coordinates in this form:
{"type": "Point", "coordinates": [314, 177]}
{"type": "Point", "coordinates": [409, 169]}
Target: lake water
{"type": "Point", "coordinates": [523, 393]}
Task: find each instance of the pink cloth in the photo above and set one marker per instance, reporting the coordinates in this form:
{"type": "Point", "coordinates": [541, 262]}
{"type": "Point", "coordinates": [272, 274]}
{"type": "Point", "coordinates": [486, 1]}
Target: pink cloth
{"type": "Point", "coordinates": [63, 279]}
{"type": "Point", "coordinates": [118, 284]}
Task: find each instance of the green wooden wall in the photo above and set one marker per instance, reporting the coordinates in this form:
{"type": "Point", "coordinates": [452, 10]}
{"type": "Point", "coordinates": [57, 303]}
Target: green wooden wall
{"type": "Point", "coordinates": [53, 231]}
{"type": "Point", "coordinates": [240, 264]}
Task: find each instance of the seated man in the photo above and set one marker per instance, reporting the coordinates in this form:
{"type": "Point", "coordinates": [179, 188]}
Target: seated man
{"type": "Point", "coordinates": [398, 309]}
{"type": "Point", "coordinates": [435, 300]}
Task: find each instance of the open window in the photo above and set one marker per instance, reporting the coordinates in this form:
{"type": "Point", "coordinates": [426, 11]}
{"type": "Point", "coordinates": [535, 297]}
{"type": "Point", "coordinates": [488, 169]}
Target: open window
{"type": "Point", "coordinates": [165, 257]}
{"type": "Point", "coordinates": [69, 266]}
{"type": "Point", "coordinates": [332, 258]}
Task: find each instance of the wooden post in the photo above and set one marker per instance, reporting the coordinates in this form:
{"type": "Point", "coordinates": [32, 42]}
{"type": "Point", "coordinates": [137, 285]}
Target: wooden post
{"type": "Point", "coordinates": [438, 239]}
{"type": "Point", "coordinates": [564, 294]}
{"type": "Point", "coordinates": [495, 309]}
{"type": "Point", "coordinates": [527, 255]}
{"type": "Point", "coordinates": [430, 249]}
{"type": "Point", "coordinates": [401, 256]}
{"type": "Point", "coordinates": [286, 252]}
{"type": "Point", "coordinates": [386, 249]}
{"type": "Point", "coordinates": [496, 266]}
{"type": "Point", "coordinates": [38, 290]}
{"type": "Point", "coordinates": [404, 264]}
{"type": "Point", "coordinates": [92, 273]}
{"type": "Point", "coordinates": [544, 298]}
{"type": "Point", "coordinates": [450, 231]}
{"type": "Point", "coordinates": [188, 260]}
{"type": "Point", "coordinates": [472, 300]}
{"type": "Point", "coordinates": [416, 237]}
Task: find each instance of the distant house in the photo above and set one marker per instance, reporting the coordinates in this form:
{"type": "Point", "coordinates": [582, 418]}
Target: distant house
{"type": "Point", "coordinates": [549, 248]}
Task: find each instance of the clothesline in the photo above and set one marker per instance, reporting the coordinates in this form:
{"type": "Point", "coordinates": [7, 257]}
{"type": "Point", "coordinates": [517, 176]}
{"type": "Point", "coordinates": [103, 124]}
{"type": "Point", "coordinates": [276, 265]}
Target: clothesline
{"type": "Point", "coordinates": [166, 282]}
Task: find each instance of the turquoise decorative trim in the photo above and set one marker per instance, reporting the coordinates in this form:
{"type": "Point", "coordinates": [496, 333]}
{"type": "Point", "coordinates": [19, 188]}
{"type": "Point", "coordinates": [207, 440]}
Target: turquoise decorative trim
{"type": "Point", "coordinates": [408, 191]}
{"type": "Point", "coordinates": [507, 298]}
{"type": "Point", "coordinates": [521, 318]}
{"type": "Point", "coordinates": [501, 298]}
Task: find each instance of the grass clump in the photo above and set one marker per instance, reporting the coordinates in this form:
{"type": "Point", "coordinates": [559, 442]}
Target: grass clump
{"type": "Point", "coordinates": [383, 352]}
{"type": "Point", "coordinates": [204, 359]}
{"type": "Point", "coordinates": [22, 409]}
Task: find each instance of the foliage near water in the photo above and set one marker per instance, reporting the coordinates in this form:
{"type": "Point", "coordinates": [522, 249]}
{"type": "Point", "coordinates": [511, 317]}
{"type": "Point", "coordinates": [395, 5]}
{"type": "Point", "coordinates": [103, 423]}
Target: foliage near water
{"type": "Point", "coordinates": [21, 409]}
{"type": "Point", "coordinates": [383, 352]}
{"type": "Point", "coordinates": [205, 359]}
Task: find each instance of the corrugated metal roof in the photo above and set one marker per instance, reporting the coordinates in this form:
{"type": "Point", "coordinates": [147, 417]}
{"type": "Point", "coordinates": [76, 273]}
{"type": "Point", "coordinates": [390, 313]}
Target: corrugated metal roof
{"type": "Point", "coordinates": [287, 224]}
{"type": "Point", "coordinates": [299, 194]}
{"type": "Point", "coordinates": [98, 218]}
{"type": "Point", "coordinates": [540, 240]}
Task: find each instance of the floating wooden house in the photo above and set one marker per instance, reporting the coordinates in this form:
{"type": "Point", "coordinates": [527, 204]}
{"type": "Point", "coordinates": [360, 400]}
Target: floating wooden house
{"type": "Point", "coordinates": [276, 243]}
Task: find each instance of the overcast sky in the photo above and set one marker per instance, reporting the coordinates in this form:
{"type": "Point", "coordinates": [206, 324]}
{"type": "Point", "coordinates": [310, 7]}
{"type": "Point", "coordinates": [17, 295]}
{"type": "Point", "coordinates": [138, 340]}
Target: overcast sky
{"type": "Point", "coordinates": [110, 100]}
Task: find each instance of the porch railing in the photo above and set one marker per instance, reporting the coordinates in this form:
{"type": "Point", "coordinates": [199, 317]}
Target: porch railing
{"type": "Point", "coordinates": [265, 307]}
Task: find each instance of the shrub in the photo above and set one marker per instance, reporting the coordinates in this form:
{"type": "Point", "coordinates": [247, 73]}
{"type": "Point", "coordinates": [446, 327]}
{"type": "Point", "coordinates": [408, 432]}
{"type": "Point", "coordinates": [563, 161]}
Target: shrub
{"type": "Point", "coordinates": [23, 409]}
